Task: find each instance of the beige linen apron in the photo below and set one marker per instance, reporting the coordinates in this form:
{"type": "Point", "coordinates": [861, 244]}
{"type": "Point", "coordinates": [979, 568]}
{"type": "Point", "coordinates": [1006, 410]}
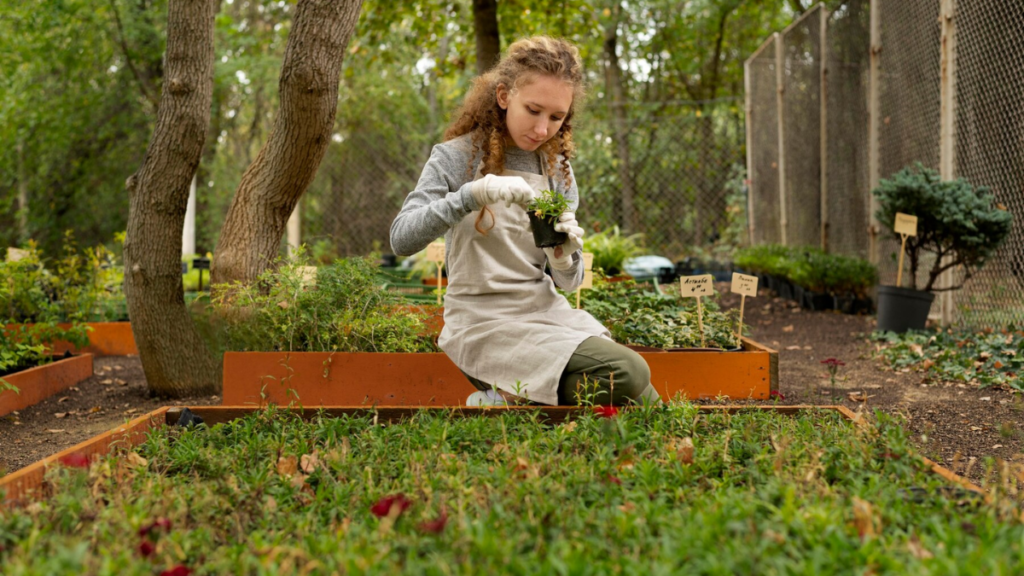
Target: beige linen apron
{"type": "Point", "coordinates": [504, 323]}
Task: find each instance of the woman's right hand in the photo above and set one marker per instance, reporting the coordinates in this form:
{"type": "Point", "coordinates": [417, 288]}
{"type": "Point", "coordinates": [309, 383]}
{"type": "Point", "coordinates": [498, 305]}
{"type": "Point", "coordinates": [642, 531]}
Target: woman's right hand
{"type": "Point", "coordinates": [511, 190]}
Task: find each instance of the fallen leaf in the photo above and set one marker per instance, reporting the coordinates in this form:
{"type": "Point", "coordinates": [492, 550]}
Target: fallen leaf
{"type": "Point", "coordinates": [63, 399]}
{"type": "Point", "coordinates": [309, 462]}
{"type": "Point", "coordinates": [919, 551]}
{"type": "Point", "coordinates": [569, 427]}
{"type": "Point", "coordinates": [793, 347]}
{"type": "Point", "coordinates": [287, 465]}
{"type": "Point", "coordinates": [997, 446]}
{"type": "Point", "coordinates": [55, 431]}
{"type": "Point", "coordinates": [916, 349]}
{"type": "Point", "coordinates": [120, 382]}
{"type": "Point", "coordinates": [863, 518]}
{"type": "Point", "coordinates": [131, 411]}
{"type": "Point", "coordinates": [787, 328]}
{"type": "Point", "coordinates": [95, 409]}
{"type": "Point", "coordinates": [684, 450]}
{"type": "Point", "coordinates": [986, 399]}
{"type": "Point", "coordinates": [107, 381]}
{"type": "Point", "coordinates": [927, 364]}
{"type": "Point", "coordinates": [858, 396]}
{"type": "Point", "coordinates": [61, 414]}
{"type": "Point", "coordinates": [117, 367]}
{"type": "Point", "coordinates": [136, 461]}
{"type": "Point", "coordinates": [975, 428]}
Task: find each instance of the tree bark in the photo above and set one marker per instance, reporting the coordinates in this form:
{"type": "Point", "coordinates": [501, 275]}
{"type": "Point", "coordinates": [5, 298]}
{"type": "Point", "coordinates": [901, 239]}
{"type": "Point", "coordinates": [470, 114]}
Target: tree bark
{"type": "Point", "coordinates": [287, 163]}
{"type": "Point", "coordinates": [488, 39]}
{"type": "Point", "coordinates": [174, 358]}
{"type": "Point", "coordinates": [613, 82]}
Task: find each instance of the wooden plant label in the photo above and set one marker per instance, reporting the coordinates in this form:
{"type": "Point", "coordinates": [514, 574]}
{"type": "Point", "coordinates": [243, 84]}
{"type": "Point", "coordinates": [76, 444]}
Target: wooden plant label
{"type": "Point", "coordinates": [696, 286]}
{"type": "Point", "coordinates": [588, 261]}
{"type": "Point", "coordinates": [588, 280]}
{"type": "Point", "coordinates": [906, 224]}
{"type": "Point", "coordinates": [435, 252]}
{"type": "Point", "coordinates": [15, 254]}
{"type": "Point", "coordinates": [588, 276]}
{"type": "Point", "coordinates": [744, 286]}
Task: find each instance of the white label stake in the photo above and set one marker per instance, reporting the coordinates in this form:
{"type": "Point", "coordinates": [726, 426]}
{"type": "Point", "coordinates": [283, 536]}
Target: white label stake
{"type": "Point", "coordinates": [697, 287]}
{"type": "Point", "coordinates": [905, 225]}
{"type": "Point", "coordinates": [744, 286]}
{"type": "Point", "coordinates": [435, 253]}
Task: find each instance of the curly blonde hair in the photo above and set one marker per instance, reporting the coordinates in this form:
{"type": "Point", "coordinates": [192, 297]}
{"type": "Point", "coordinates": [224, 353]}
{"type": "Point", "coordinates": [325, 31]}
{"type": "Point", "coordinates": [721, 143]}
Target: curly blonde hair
{"type": "Point", "coordinates": [481, 116]}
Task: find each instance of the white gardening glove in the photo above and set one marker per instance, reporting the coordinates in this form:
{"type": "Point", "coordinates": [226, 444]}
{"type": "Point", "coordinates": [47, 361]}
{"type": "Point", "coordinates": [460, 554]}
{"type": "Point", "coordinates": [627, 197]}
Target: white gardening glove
{"type": "Point", "coordinates": [560, 257]}
{"type": "Point", "coordinates": [511, 190]}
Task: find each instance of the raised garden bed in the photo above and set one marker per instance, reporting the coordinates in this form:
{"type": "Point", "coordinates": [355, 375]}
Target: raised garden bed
{"type": "Point", "coordinates": [737, 490]}
{"type": "Point", "coordinates": [424, 379]}
{"type": "Point", "coordinates": [105, 339]}
{"type": "Point", "coordinates": [41, 382]}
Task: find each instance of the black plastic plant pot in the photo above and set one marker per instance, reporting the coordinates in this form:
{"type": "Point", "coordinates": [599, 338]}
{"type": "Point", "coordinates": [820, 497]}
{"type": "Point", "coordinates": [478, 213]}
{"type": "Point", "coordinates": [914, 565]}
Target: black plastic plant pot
{"type": "Point", "coordinates": [798, 294]}
{"type": "Point", "coordinates": [544, 234]}
{"type": "Point", "coordinates": [902, 309]}
{"type": "Point", "coordinates": [784, 288]}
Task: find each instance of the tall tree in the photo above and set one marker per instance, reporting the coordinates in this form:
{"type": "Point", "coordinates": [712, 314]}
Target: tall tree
{"type": "Point", "coordinates": [616, 100]}
{"type": "Point", "coordinates": [488, 38]}
{"type": "Point", "coordinates": [287, 163]}
{"type": "Point", "coordinates": [174, 358]}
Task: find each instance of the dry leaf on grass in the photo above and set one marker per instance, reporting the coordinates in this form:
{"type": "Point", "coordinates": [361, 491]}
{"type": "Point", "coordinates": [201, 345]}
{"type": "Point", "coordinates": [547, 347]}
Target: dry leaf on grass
{"type": "Point", "coordinates": [863, 518]}
{"type": "Point", "coordinates": [787, 328]}
{"type": "Point", "coordinates": [309, 462]}
{"type": "Point", "coordinates": [287, 465]}
{"type": "Point", "coordinates": [684, 449]}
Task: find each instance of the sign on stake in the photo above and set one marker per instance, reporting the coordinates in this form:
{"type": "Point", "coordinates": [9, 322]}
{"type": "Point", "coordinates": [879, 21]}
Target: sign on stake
{"type": "Point", "coordinates": [905, 225]}
{"type": "Point", "coordinates": [744, 286]}
{"type": "Point", "coordinates": [435, 253]}
{"type": "Point", "coordinates": [588, 276]}
{"type": "Point", "coordinates": [697, 287]}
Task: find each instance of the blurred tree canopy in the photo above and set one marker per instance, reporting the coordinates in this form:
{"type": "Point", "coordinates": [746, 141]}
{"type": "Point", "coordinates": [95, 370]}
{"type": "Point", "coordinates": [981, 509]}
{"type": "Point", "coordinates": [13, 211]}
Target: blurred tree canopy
{"type": "Point", "coordinates": [80, 82]}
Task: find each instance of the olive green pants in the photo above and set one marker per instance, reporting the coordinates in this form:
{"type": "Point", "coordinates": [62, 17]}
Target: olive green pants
{"type": "Point", "coordinates": [600, 369]}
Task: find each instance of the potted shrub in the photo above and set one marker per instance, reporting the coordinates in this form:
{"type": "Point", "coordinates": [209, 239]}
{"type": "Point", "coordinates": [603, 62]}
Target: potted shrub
{"type": "Point", "coordinates": [956, 225]}
{"type": "Point", "coordinates": [611, 250]}
{"type": "Point", "coordinates": [544, 212]}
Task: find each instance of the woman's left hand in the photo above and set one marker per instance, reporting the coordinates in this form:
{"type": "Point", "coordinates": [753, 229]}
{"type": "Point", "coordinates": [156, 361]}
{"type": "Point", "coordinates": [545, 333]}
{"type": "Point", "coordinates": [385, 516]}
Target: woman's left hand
{"type": "Point", "coordinates": [560, 257]}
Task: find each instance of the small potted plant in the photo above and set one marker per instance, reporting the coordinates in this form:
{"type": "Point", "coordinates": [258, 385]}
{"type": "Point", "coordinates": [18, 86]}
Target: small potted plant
{"type": "Point", "coordinates": [544, 212]}
{"type": "Point", "coordinates": [958, 229]}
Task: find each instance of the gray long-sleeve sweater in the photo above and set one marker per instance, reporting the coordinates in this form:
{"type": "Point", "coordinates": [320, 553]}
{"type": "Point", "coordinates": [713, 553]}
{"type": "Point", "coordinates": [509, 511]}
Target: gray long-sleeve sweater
{"type": "Point", "coordinates": [442, 198]}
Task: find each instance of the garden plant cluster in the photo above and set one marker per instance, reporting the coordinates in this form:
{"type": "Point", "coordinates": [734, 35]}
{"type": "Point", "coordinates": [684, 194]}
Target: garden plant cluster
{"type": "Point", "coordinates": [649, 489]}
{"type": "Point", "coordinates": [986, 358]}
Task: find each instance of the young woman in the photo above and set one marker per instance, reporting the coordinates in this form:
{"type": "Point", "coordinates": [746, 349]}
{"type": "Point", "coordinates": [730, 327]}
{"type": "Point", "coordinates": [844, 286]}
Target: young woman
{"type": "Point", "coordinates": [506, 327]}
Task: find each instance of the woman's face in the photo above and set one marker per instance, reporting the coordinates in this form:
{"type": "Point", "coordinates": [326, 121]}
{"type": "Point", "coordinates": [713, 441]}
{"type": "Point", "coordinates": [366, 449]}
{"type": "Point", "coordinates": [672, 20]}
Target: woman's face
{"type": "Point", "coordinates": [536, 110]}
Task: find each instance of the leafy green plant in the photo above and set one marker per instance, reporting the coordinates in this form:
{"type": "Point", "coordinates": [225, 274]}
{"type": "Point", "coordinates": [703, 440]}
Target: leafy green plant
{"type": "Point", "coordinates": [549, 205]}
{"type": "Point", "coordinates": [611, 249]}
{"type": "Point", "coordinates": [647, 318]}
{"type": "Point", "coordinates": [956, 222]}
{"type": "Point", "coordinates": [642, 490]}
{"type": "Point", "coordinates": [345, 310]}
{"type": "Point", "coordinates": [810, 268]}
{"type": "Point", "coordinates": [988, 357]}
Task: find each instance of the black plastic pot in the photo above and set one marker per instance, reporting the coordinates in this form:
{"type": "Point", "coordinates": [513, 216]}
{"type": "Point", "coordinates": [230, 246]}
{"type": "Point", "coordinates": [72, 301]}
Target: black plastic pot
{"type": "Point", "coordinates": [784, 288]}
{"type": "Point", "coordinates": [798, 294]}
{"type": "Point", "coordinates": [902, 309]}
{"type": "Point", "coordinates": [544, 234]}
{"type": "Point", "coordinates": [818, 301]}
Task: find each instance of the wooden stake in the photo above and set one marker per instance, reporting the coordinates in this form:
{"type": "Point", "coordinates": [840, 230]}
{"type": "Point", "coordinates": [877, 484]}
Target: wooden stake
{"type": "Point", "coordinates": [439, 283]}
{"type": "Point", "coordinates": [578, 292]}
{"type": "Point", "coordinates": [899, 274]}
{"type": "Point", "coordinates": [700, 322]}
{"type": "Point", "coordinates": [739, 328]}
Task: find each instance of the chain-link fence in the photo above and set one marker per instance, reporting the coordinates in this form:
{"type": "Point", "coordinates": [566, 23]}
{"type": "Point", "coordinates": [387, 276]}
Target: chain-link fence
{"type": "Point", "coordinates": [682, 156]}
{"type": "Point", "coordinates": [940, 82]}
{"type": "Point", "coordinates": [763, 144]}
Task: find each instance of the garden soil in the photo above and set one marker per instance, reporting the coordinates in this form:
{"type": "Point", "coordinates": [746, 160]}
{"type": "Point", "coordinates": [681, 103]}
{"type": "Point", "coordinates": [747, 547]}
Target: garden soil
{"type": "Point", "coordinates": [955, 424]}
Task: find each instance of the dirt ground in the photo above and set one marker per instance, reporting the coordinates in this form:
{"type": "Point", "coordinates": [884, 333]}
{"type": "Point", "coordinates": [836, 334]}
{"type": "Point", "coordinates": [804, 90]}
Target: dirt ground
{"type": "Point", "coordinates": [956, 425]}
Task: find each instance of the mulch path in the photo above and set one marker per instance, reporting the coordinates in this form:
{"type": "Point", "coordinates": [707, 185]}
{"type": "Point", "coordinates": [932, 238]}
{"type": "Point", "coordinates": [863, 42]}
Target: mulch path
{"type": "Point", "coordinates": [955, 424]}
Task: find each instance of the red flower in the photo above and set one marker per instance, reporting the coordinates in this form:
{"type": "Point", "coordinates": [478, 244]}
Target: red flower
{"type": "Point", "coordinates": [162, 523]}
{"type": "Point", "coordinates": [385, 505]}
{"type": "Point", "coordinates": [177, 571]}
{"type": "Point", "coordinates": [614, 480]}
{"type": "Point", "coordinates": [777, 394]}
{"type": "Point", "coordinates": [833, 362]}
{"type": "Point", "coordinates": [146, 549]}
{"type": "Point", "coordinates": [606, 411]}
{"type": "Point", "coordinates": [435, 526]}
{"type": "Point", "coordinates": [75, 460]}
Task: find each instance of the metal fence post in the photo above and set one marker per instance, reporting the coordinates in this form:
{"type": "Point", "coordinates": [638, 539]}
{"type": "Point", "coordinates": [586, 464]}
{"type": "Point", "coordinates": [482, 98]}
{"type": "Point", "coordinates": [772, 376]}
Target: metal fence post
{"type": "Point", "coordinates": [874, 108]}
{"type": "Point", "coordinates": [823, 54]}
{"type": "Point", "coordinates": [780, 87]}
{"type": "Point", "coordinates": [947, 127]}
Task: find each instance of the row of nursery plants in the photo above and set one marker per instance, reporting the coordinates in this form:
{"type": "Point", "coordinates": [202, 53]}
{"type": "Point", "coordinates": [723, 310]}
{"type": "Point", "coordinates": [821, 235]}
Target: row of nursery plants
{"type": "Point", "coordinates": [812, 277]}
{"type": "Point", "coordinates": [656, 489]}
{"type": "Point", "coordinates": [985, 358]}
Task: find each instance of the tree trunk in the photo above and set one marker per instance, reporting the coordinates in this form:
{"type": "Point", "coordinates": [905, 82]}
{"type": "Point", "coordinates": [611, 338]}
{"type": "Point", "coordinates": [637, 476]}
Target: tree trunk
{"type": "Point", "coordinates": [613, 82]}
{"type": "Point", "coordinates": [287, 163]}
{"type": "Point", "coordinates": [175, 360]}
{"type": "Point", "coordinates": [488, 39]}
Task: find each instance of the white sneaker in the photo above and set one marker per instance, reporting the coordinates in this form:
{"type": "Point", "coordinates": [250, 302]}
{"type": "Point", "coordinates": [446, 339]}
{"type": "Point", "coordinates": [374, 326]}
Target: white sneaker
{"type": "Point", "coordinates": [485, 398]}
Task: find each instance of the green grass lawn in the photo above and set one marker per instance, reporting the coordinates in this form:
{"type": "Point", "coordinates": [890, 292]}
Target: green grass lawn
{"type": "Point", "coordinates": [759, 493]}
